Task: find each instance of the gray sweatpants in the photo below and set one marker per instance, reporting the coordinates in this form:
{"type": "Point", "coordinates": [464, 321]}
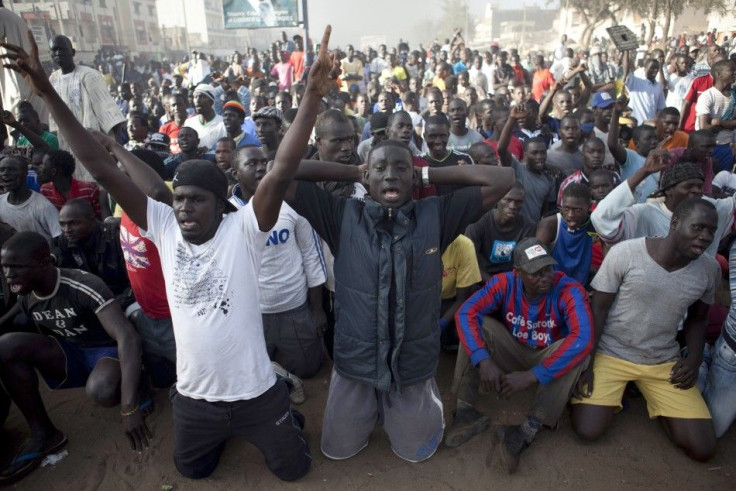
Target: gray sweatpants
{"type": "Point", "coordinates": [412, 418]}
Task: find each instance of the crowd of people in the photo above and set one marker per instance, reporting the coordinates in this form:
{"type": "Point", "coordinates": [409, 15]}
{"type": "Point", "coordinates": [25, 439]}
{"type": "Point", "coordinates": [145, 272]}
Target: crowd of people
{"type": "Point", "coordinates": [561, 220]}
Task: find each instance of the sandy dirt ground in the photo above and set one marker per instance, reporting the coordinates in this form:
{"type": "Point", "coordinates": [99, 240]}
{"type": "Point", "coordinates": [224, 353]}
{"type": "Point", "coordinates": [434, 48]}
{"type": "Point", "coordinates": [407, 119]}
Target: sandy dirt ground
{"type": "Point", "coordinates": [635, 454]}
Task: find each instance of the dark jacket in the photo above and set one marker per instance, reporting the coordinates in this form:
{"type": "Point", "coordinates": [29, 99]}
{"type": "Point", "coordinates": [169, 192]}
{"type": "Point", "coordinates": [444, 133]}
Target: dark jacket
{"type": "Point", "coordinates": [388, 274]}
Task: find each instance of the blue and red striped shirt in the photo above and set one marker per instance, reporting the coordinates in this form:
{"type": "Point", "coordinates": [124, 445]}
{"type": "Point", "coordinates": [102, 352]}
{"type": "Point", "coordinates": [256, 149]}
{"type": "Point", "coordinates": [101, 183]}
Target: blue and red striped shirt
{"type": "Point", "coordinates": [564, 313]}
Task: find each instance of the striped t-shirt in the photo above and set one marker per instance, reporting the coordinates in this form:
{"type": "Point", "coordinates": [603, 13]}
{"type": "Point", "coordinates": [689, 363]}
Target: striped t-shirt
{"type": "Point", "coordinates": [563, 313]}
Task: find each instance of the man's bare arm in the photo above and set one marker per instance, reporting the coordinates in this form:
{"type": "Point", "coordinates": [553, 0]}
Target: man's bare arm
{"type": "Point", "coordinates": [272, 189]}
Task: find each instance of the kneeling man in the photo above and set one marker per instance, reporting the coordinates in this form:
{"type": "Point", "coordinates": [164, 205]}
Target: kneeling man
{"type": "Point", "coordinates": [642, 291]}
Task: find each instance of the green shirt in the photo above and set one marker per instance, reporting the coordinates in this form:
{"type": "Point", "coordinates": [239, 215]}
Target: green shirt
{"type": "Point", "coordinates": [50, 139]}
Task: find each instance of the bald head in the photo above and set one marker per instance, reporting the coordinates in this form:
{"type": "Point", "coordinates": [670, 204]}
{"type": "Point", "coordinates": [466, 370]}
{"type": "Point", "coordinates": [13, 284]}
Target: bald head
{"type": "Point", "coordinates": [62, 53]}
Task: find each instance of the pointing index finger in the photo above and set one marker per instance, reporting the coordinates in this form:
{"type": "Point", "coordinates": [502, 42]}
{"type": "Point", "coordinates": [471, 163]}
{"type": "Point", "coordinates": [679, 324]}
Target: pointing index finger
{"type": "Point", "coordinates": [325, 40]}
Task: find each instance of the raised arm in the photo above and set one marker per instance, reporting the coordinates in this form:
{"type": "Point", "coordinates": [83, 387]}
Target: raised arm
{"type": "Point", "coordinates": [494, 182]}
{"type": "Point", "coordinates": [610, 217]}
{"type": "Point", "coordinates": [547, 101]}
{"type": "Point", "coordinates": [272, 189]}
{"type": "Point", "coordinates": [319, 170]}
{"type": "Point", "coordinates": [516, 114]}
{"type": "Point", "coordinates": [33, 137]}
{"type": "Point", "coordinates": [626, 65]}
{"type": "Point", "coordinates": [617, 150]}
{"type": "Point", "coordinates": [661, 79]}
{"type": "Point", "coordinates": [654, 163]}
{"type": "Point", "coordinates": [587, 86]}
{"type": "Point", "coordinates": [88, 151]}
{"type": "Point", "coordinates": [139, 172]}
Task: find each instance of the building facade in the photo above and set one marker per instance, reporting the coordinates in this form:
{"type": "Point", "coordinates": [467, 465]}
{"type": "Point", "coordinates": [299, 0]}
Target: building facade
{"type": "Point", "coordinates": [120, 25]}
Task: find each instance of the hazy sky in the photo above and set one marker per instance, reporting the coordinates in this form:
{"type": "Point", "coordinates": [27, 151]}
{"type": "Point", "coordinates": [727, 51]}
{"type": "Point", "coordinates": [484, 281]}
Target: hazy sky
{"type": "Point", "coordinates": [352, 19]}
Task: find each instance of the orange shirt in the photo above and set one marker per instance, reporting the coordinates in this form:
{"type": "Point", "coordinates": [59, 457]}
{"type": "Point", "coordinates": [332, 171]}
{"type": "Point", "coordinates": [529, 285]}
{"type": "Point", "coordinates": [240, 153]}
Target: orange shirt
{"type": "Point", "coordinates": [541, 81]}
{"type": "Point", "coordinates": [679, 140]}
{"type": "Point", "coordinates": [297, 61]}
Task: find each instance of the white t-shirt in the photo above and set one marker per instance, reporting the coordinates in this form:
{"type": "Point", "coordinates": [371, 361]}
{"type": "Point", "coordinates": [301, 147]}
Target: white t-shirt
{"type": "Point", "coordinates": [212, 291]}
{"type": "Point", "coordinates": [713, 103]}
{"type": "Point", "coordinates": [489, 70]}
{"type": "Point", "coordinates": [463, 143]}
{"type": "Point", "coordinates": [208, 133]}
{"type": "Point", "coordinates": [608, 158]}
{"type": "Point", "coordinates": [36, 214]}
{"type": "Point", "coordinates": [677, 88]}
{"type": "Point", "coordinates": [725, 180]}
{"type": "Point", "coordinates": [292, 261]}
{"type": "Point", "coordinates": [646, 98]}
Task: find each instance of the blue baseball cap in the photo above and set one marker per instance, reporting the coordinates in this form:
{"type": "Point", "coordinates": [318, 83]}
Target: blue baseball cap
{"type": "Point", "coordinates": [602, 99]}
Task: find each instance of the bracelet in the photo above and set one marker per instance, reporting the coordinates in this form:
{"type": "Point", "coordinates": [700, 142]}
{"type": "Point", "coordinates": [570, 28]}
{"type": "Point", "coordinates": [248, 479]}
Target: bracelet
{"type": "Point", "coordinates": [129, 413]}
{"type": "Point", "coordinates": [425, 176]}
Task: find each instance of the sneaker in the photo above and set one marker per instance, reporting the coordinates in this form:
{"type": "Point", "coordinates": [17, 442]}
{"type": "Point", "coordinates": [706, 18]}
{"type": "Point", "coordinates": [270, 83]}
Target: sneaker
{"type": "Point", "coordinates": [466, 423]}
{"type": "Point", "coordinates": [296, 385]}
{"type": "Point", "coordinates": [512, 443]}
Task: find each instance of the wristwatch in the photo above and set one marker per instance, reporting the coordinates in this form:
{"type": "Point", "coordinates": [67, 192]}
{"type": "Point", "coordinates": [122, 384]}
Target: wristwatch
{"type": "Point", "coordinates": [425, 177]}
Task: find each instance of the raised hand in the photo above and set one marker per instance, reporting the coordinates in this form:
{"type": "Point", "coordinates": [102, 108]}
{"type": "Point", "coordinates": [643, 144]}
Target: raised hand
{"type": "Point", "coordinates": [519, 112]}
{"type": "Point", "coordinates": [620, 105]}
{"type": "Point", "coordinates": [7, 118]}
{"type": "Point", "coordinates": [582, 66]}
{"type": "Point", "coordinates": [28, 65]}
{"type": "Point", "coordinates": [656, 160]}
{"type": "Point", "coordinates": [325, 69]}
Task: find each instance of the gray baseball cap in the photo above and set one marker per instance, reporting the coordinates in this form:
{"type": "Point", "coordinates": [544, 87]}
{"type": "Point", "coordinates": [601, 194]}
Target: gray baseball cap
{"type": "Point", "coordinates": [530, 255]}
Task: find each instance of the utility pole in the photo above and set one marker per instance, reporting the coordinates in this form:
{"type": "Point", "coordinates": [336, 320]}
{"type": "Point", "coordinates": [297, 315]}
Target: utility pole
{"type": "Point", "coordinates": [186, 27]}
{"type": "Point", "coordinates": [58, 16]}
{"type": "Point", "coordinates": [305, 20]}
{"type": "Point", "coordinates": [523, 27]}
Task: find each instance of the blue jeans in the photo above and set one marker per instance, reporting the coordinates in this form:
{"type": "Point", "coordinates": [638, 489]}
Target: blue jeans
{"type": "Point", "coordinates": [159, 348]}
{"type": "Point", "coordinates": [157, 335]}
{"type": "Point", "coordinates": [720, 387]}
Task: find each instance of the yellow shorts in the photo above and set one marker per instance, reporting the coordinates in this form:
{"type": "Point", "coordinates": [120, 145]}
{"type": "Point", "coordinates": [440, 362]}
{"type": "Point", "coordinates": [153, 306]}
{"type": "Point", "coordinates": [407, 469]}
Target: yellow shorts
{"type": "Point", "coordinates": [610, 376]}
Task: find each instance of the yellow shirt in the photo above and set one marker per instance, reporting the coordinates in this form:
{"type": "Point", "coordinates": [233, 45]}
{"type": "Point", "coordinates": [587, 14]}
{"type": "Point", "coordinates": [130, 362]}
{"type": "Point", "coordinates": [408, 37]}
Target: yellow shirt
{"type": "Point", "coordinates": [439, 83]}
{"type": "Point", "coordinates": [459, 267]}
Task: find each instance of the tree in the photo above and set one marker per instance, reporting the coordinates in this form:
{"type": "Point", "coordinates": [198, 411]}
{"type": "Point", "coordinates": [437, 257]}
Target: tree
{"type": "Point", "coordinates": [456, 15]}
{"type": "Point", "coordinates": [673, 9]}
{"type": "Point", "coordinates": [593, 14]}
{"type": "Point", "coordinates": [667, 11]}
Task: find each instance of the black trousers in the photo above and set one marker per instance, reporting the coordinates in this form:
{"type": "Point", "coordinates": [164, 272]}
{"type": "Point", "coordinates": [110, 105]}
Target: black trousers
{"type": "Point", "coordinates": [201, 430]}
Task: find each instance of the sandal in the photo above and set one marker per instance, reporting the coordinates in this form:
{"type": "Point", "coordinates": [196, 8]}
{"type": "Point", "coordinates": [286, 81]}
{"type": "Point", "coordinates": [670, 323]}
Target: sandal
{"type": "Point", "coordinates": [24, 463]}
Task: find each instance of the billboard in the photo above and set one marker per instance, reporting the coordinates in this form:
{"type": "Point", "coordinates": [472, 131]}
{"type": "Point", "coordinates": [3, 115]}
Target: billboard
{"type": "Point", "coordinates": [251, 14]}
